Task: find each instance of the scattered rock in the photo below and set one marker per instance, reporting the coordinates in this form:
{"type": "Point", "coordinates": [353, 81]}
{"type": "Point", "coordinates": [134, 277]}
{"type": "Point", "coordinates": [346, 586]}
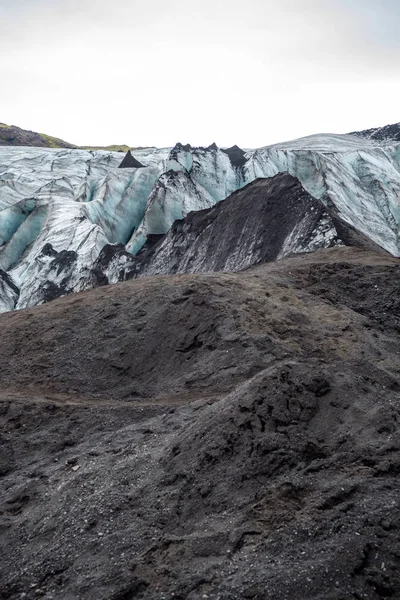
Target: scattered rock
{"type": "Point", "coordinates": [235, 445]}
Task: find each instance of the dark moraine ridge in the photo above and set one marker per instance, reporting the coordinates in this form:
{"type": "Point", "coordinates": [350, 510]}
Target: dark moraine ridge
{"type": "Point", "coordinates": [223, 436]}
{"type": "Point", "coordinates": [268, 219]}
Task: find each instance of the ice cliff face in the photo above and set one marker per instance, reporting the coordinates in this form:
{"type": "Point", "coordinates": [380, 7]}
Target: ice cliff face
{"type": "Point", "coordinates": [360, 178]}
{"type": "Point", "coordinates": [60, 208]}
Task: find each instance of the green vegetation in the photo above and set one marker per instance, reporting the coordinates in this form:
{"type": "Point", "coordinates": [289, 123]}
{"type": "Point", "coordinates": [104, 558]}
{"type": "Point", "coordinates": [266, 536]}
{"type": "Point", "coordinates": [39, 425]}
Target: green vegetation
{"type": "Point", "coordinates": [112, 148]}
{"type": "Point", "coordinates": [55, 142]}
{"type": "Point", "coordinates": [31, 138]}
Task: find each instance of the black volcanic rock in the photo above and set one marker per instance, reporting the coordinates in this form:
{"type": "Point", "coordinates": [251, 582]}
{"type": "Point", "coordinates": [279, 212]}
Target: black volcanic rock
{"type": "Point", "coordinates": [9, 292]}
{"type": "Point", "coordinates": [236, 155]}
{"type": "Point", "coordinates": [130, 162]}
{"type": "Point", "coordinates": [114, 259]}
{"type": "Point", "coordinates": [60, 273]}
{"type": "Point", "coordinates": [179, 147]}
{"type": "Point", "coordinates": [382, 134]}
{"type": "Point", "coordinates": [265, 220]}
{"type": "Point", "coordinates": [227, 436]}
{"type": "Point", "coordinates": [48, 250]}
{"type": "Point", "coordinates": [5, 277]}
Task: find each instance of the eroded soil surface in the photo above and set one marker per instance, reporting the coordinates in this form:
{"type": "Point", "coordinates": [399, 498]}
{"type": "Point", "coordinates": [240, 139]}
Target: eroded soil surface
{"type": "Point", "coordinates": [220, 436]}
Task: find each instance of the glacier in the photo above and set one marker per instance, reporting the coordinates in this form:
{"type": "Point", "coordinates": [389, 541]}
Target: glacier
{"type": "Point", "coordinates": [59, 208]}
{"type": "Point", "coordinates": [360, 177]}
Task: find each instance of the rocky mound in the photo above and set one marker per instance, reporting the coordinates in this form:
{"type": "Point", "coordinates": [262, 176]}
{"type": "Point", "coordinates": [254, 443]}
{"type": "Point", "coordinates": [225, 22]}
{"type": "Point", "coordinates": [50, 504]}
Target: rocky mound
{"type": "Point", "coordinates": [268, 219]}
{"type": "Point", "coordinates": [381, 134]}
{"type": "Point", "coordinates": [130, 162]}
{"type": "Point", "coordinates": [206, 436]}
{"type": "Point", "coordinates": [11, 135]}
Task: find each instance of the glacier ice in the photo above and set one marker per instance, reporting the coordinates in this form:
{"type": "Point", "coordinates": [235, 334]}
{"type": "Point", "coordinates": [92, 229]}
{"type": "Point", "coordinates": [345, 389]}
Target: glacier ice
{"type": "Point", "coordinates": [359, 177]}
{"type": "Point", "coordinates": [79, 201]}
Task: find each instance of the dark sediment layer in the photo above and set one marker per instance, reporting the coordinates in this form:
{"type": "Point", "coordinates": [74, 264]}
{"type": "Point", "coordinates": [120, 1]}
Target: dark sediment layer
{"type": "Point", "coordinates": [130, 162]}
{"type": "Point", "coordinates": [266, 220]}
{"type": "Point", "coordinates": [219, 435]}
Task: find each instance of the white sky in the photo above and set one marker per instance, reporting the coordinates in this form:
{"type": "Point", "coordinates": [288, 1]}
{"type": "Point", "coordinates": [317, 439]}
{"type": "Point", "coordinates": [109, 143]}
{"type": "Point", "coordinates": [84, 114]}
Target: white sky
{"type": "Point", "coordinates": [156, 72]}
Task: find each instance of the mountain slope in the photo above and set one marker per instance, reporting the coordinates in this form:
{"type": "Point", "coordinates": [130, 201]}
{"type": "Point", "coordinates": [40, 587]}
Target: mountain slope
{"type": "Point", "coordinates": [217, 435]}
{"type": "Point", "coordinates": [383, 134]}
{"type": "Point", "coordinates": [267, 220]}
{"type": "Point", "coordinates": [11, 135]}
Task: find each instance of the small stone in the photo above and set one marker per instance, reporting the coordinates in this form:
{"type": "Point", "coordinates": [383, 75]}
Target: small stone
{"type": "Point", "coordinates": [76, 467]}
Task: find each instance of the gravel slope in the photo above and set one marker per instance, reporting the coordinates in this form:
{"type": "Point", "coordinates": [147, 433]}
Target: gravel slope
{"type": "Point", "coordinates": [219, 436]}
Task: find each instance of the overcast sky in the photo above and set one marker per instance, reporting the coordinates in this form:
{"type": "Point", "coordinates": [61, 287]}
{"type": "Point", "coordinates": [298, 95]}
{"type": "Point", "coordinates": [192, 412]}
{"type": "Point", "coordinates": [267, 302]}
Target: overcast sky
{"type": "Point", "coordinates": [154, 72]}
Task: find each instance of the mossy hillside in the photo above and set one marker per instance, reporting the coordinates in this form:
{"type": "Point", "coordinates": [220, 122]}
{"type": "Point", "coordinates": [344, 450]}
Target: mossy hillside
{"type": "Point", "coordinates": [112, 148]}
{"type": "Point", "coordinates": [31, 138]}
{"type": "Point", "coordinates": [54, 142]}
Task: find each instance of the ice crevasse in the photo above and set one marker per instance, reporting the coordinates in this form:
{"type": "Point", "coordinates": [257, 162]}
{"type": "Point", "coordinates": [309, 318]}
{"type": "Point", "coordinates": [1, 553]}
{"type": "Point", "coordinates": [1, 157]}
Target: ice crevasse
{"type": "Point", "coordinates": [59, 208]}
